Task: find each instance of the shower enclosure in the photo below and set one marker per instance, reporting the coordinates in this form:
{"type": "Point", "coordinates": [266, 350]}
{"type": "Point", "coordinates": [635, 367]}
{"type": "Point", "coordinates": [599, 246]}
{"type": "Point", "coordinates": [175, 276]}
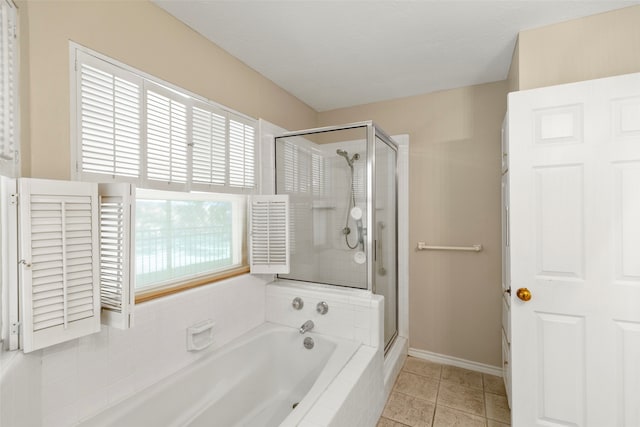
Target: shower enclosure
{"type": "Point", "coordinates": [342, 188]}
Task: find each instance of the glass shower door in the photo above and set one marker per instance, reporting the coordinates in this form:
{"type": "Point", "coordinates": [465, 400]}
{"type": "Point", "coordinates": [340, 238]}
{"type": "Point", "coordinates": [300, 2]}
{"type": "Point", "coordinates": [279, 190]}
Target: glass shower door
{"type": "Point", "coordinates": [325, 175]}
{"type": "Point", "coordinates": [385, 272]}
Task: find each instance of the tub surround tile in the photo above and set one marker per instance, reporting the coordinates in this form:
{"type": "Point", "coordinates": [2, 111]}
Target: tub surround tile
{"type": "Point", "coordinates": [309, 424]}
{"type": "Point", "coordinates": [448, 417]}
{"type": "Point", "coordinates": [352, 314]}
{"type": "Point", "coordinates": [493, 423]}
{"type": "Point", "coordinates": [84, 376]}
{"type": "Point", "coordinates": [493, 384]}
{"type": "Point", "coordinates": [463, 398]}
{"type": "Point", "coordinates": [409, 410]}
{"type": "Point", "coordinates": [422, 367]}
{"type": "Point", "coordinates": [320, 414]}
{"type": "Point", "coordinates": [497, 408]}
{"type": "Point", "coordinates": [417, 386]}
{"type": "Point", "coordinates": [461, 376]}
{"type": "Point", "coordinates": [61, 417]}
{"type": "Point", "coordinates": [362, 335]}
{"type": "Point", "coordinates": [363, 403]}
{"type": "Point", "coordinates": [386, 422]}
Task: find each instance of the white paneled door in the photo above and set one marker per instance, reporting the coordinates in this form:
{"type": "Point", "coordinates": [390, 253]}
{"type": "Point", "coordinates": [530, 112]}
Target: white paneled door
{"type": "Point", "coordinates": [575, 247]}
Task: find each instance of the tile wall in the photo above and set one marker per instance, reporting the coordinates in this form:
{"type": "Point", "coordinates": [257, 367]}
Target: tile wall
{"type": "Point", "coordinates": [353, 314]}
{"type": "Point", "coordinates": [81, 377]}
{"type": "Point", "coordinates": [355, 398]}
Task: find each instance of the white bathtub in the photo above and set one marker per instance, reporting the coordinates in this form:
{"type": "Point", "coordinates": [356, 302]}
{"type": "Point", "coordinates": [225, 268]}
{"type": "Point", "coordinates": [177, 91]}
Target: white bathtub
{"type": "Point", "coordinates": [252, 382]}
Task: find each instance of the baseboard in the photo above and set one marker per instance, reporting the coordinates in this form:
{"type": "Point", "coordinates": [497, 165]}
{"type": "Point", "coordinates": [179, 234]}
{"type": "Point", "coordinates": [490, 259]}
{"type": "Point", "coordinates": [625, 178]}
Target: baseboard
{"type": "Point", "coordinates": [455, 361]}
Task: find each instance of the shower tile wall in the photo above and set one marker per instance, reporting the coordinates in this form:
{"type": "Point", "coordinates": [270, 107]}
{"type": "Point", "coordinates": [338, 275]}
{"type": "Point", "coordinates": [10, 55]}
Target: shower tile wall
{"type": "Point", "coordinates": [318, 180]}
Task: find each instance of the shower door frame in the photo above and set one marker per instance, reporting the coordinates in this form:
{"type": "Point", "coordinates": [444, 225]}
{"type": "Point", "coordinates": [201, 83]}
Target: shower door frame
{"type": "Point", "coordinates": [373, 131]}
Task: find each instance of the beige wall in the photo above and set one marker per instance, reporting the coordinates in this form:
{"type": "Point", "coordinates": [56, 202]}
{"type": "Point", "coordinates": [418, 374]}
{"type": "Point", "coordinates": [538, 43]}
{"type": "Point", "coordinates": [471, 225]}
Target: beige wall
{"type": "Point", "coordinates": [513, 77]}
{"type": "Point", "coordinates": [602, 45]}
{"type": "Point", "coordinates": [454, 187]}
{"type": "Point", "coordinates": [143, 36]}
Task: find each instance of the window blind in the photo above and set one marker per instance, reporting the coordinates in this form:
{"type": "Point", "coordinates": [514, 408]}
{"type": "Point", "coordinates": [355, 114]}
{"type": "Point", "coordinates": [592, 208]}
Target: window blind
{"type": "Point", "coordinates": [167, 139]}
{"type": "Point", "coordinates": [117, 245]}
{"type": "Point", "coordinates": [209, 147]}
{"type": "Point", "coordinates": [269, 234]}
{"type": "Point", "coordinates": [110, 127]}
{"type": "Point", "coordinates": [137, 129]}
{"type": "Point", "coordinates": [8, 81]}
{"type": "Point", "coordinates": [241, 153]}
{"type": "Point", "coordinates": [59, 258]}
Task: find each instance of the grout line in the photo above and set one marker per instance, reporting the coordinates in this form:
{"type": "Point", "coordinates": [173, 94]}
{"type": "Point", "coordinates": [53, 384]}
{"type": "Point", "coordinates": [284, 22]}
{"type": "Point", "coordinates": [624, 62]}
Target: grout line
{"type": "Point", "coordinates": [435, 406]}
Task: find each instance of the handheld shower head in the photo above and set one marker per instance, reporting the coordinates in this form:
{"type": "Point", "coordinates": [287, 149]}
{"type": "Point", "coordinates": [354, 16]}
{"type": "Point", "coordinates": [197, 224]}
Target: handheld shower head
{"type": "Point", "coordinates": [345, 154]}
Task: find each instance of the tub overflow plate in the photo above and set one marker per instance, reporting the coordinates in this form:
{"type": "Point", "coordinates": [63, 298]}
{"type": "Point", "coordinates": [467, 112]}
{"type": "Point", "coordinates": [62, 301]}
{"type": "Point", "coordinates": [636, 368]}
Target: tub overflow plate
{"type": "Point", "coordinates": [308, 343]}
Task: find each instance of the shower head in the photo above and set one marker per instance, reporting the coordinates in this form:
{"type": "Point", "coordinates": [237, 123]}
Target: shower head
{"type": "Point", "coordinates": [345, 154]}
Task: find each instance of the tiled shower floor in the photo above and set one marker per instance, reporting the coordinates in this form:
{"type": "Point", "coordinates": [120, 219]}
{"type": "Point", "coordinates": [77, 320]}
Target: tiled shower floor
{"type": "Point", "coordinates": [429, 394]}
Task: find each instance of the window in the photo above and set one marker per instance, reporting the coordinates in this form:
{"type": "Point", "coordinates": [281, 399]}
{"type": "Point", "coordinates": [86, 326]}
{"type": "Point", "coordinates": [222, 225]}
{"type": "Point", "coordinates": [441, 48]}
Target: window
{"type": "Point", "coordinates": [132, 127]}
{"type": "Point", "coordinates": [180, 236]}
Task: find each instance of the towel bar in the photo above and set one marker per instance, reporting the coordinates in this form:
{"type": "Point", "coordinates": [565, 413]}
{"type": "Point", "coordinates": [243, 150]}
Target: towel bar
{"type": "Point", "coordinates": [422, 246]}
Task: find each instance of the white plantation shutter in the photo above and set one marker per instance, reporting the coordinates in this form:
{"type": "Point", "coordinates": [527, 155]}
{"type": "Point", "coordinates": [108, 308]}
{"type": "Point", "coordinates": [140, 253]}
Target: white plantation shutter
{"type": "Point", "coordinates": [269, 234]}
{"type": "Point", "coordinates": [117, 268]}
{"type": "Point", "coordinates": [167, 137]}
{"type": "Point", "coordinates": [209, 137]}
{"type": "Point", "coordinates": [131, 127]}
{"type": "Point", "coordinates": [59, 253]}
{"type": "Point", "coordinates": [109, 107]}
{"type": "Point", "coordinates": [8, 81]}
{"type": "Point", "coordinates": [241, 152]}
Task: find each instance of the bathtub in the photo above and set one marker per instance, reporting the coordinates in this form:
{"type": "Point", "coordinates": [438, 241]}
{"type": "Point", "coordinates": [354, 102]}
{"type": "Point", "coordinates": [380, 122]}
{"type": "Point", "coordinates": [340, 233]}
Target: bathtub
{"type": "Point", "coordinates": [264, 378]}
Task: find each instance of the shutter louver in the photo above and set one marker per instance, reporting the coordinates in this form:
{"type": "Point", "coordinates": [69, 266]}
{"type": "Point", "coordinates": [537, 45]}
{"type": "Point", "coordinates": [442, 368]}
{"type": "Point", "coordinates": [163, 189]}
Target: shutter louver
{"type": "Point", "coordinates": [241, 154]}
{"type": "Point", "coordinates": [209, 148]}
{"type": "Point", "coordinates": [167, 138]}
{"type": "Point", "coordinates": [117, 244]}
{"type": "Point", "coordinates": [110, 128]}
{"type": "Point", "coordinates": [136, 129]}
{"type": "Point", "coordinates": [8, 89]}
{"type": "Point", "coordinates": [59, 258]}
{"type": "Point", "coordinates": [269, 234]}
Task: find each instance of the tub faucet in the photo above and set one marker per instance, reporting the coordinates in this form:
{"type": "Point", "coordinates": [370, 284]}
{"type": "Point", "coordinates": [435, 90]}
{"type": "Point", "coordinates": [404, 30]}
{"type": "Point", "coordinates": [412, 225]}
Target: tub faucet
{"type": "Point", "coordinates": [306, 326]}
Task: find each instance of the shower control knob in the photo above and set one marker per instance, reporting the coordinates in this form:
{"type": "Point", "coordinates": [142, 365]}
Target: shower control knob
{"type": "Point", "coordinates": [322, 307]}
{"type": "Point", "coordinates": [297, 303]}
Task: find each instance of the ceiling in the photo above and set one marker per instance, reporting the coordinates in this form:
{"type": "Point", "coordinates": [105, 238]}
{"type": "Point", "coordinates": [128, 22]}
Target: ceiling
{"type": "Point", "coordinates": [333, 54]}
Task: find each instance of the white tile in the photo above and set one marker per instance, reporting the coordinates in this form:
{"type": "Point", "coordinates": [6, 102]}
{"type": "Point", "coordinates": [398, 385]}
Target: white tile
{"type": "Point", "coordinates": [120, 389]}
{"type": "Point", "coordinates": [320, 414]}
{"type": "Point", "coordinates": [363, 317]}
{"type": "Point", "coordinates": [61, 417]}
{"type": "Point", "coordinates": [59, 362]}
{"type": "Point", "coordinates": [360, 301]}
{"type": "Point", "coordinates": [59, 394]}
{"type": "Point", "coordinates": [91, 402]}
{"type": "Point", "coordinates": [362, 335]}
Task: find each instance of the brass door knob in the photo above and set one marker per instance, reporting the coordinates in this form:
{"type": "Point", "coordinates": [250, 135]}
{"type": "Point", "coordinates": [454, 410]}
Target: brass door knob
{"type": "Point", "coordinates": [524, 294]}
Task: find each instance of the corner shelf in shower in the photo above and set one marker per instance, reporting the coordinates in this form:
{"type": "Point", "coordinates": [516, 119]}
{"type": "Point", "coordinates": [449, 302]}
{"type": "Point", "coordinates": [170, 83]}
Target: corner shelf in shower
{"type": "Point", "coordinates": [322, 205]}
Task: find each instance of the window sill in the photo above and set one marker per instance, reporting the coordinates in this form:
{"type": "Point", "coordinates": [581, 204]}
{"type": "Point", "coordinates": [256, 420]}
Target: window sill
{"type": "Point", "coordinates": [152, 294]}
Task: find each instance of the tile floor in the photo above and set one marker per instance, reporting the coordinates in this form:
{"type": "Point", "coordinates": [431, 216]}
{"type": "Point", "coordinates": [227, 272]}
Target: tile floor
{"type": "Point", "coordinates": [429, 394]}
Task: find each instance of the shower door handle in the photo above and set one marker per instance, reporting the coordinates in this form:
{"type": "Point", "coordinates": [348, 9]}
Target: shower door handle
{"type": "Point", "coordinates": [378, 250]}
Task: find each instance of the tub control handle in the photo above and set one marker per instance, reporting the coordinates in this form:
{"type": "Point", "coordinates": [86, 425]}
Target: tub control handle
{"type": "Point", "coordinates": [297, 303]}
{"type": "Point", "coordinates": [322, 307]}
